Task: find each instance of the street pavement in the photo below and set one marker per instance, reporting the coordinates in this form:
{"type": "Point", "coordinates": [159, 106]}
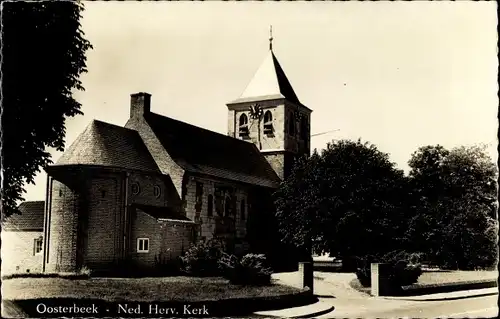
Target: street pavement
{"type": "Point", "coordinates": [334, 289]}
{"type": "Point", "coordinates": [475, 307]}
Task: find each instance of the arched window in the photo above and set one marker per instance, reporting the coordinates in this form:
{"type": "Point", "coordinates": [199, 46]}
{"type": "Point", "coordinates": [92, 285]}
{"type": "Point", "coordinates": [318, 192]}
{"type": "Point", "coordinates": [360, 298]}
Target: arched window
{"type": "Point", "coordinates": [157, 191]}
{"type": "Point", "coordinates": [135, 189]}
{"type": "Point", "coordinates": [227, 207]}
{"type": "Point", "coordinates": [243, 119]}
{"type": "Point", "coordinates": [242, 209]}
{"type": "Point", "coordinates": [291, 124]}
{"type": "Point", "coordinates": [210, 205]}
{"type": "Point", "coordinates": [243, 125]}
{"type": "Point", "coordinates": [268, 122]}
{"type": "Point", "coordinates": [303, 128]}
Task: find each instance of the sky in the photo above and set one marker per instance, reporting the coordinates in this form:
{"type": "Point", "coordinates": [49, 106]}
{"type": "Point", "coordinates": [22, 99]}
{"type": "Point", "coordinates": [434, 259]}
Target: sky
{"type": "Point", "coordinates": [399, 75]}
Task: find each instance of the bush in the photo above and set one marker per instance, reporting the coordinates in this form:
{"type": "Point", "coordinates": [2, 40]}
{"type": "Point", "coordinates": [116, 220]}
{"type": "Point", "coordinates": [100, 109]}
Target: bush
{"type": "Point", "coordinates": [202, 259]}
{"type": "Point", "coordinates": [405, 268]}
{"type": "Point", "coordinates": [170, 267]}
{"type": "Point", "coordinates": [251, 269]}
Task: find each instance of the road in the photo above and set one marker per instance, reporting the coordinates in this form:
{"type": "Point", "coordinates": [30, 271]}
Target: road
{"type": "Point", "coordinates": [350, 303]}
{"type": "Point", "coordinates": [474, 307]}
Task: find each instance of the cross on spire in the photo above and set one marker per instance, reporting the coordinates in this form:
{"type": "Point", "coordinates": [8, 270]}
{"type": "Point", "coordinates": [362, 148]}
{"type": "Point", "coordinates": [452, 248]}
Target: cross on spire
{"type": "Point", "coordinates": [271, 37]}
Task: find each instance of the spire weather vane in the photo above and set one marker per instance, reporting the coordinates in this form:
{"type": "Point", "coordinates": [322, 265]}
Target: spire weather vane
{"type": "Point", "coordinates": [271, 37]}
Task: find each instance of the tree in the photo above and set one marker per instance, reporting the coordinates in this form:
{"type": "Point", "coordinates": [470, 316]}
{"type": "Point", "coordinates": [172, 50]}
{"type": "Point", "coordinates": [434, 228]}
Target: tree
{"type": "Point", "coordinates": [43, 56]}
{"type": "Point", "coordinates": [455, 206]}
{"type": "Point", "coordinates": [426, 184]}
{"type": "Point", "coordinates": [348, 201]}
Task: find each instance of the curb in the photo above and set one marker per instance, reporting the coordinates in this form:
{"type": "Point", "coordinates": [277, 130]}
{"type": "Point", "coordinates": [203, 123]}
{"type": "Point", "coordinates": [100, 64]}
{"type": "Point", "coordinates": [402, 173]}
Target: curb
{"type": "Point", "coordinates": [276, 314]}
{"type": "Point", "coordinates": [315, 314]}
{"type": "Point", "coordinates": [485, 294]}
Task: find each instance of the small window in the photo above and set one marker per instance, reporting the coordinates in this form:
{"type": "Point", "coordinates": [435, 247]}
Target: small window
{"type": "Point", "coordinates": [142, 245]}
{"type": "Point", "coordinates": [243, 127]}
{"type": "Point", "coordinates": [303, 128]}
{"type": "Point", "coordinates": [103, 194]}
{"type": "Point", "coordinates": [135, 189]}
{"type": "Point", "coordinates": [291, 124]}
{"type": "Point", "coordinates": [157, 191]}
{"type": "Point", "coordinates": [184, 191]}
{"type": "Point", "coordinates": [60, 193]}
{"type": "Point", "coordinates": [242, 209]}
{"type": "Point", "coordinates": [268, 122]}
{"type": "Point", "coordinates": [227, 207]}
{"type": "Point", "coordinates": [199, 196]}
{"type": "Point", "coordinates": [37, 245]}
{"type": "Point", "coordinates": [210, 205]}
{"type": "Point", "coordinates": [219, 203]}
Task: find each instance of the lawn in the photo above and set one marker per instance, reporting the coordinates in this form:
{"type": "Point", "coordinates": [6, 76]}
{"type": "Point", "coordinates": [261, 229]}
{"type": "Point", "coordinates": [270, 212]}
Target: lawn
{"type": "Point", "coordinates": [136, 289]}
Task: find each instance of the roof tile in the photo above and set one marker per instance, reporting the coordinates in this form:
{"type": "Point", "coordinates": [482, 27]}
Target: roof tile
{"type": "Point", "coordinates": [202, 151]}
{"type": "Point", "coordinates": [105, 144]}
{"type": "Point", "coordinates": [30, 218]}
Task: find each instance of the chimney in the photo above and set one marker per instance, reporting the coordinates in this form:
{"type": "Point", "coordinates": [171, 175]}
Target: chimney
{"type": "Point", "coordinates": [140, 104]}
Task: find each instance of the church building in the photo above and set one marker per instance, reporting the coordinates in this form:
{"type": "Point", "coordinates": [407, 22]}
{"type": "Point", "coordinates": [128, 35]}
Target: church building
{"type": "Point", "coordinates": [141, 194]}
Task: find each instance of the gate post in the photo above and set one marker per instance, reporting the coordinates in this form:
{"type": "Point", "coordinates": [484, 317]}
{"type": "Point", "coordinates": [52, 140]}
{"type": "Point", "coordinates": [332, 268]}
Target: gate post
{"type": "Point", "coordinates": [307, 275]}
{"type": "Point", "coordinates": [380, 281]}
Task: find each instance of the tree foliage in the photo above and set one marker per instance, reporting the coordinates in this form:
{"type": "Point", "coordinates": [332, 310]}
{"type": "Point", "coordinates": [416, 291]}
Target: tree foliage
{"type": "Point", "coordinates": [43, 55]}
{"type": "Point", "coordinates": [347, 201]}
{"type": "Point", "coordinates": [454, 206]}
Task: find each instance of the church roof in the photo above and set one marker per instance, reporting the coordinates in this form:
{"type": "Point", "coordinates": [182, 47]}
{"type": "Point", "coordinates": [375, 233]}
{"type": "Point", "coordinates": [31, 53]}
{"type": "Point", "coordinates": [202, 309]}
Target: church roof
{"type": "Point", "coordinates": [104, 144]}
{"type": "Point", "coordinates": [202, 151]}
{"type": "Point", "coordinates": [30, 217]}
{"type": "Point", "coordinates": [269, 82]}
{"type": "Point", "coordinates": [162, 213]}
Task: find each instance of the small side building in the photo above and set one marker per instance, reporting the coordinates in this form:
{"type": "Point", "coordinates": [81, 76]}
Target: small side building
{"type": "Point", "coordinates": [22, 239]}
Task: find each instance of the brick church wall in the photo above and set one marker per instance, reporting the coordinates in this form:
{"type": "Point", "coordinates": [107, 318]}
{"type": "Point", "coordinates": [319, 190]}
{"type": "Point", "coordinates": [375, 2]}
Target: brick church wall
{"type": "Point", "coordinates": [177, 237]}
{"type": "Point", "coordinates": [146, 194]}
{"type": "Point", "coordinates": [105, 213]}
{"type": "Point", "coordinates": [207, 223]}
{"type": "Point", "coordinates": [145, 226]}
{"type": "Point", "coordinates": [64, 215]}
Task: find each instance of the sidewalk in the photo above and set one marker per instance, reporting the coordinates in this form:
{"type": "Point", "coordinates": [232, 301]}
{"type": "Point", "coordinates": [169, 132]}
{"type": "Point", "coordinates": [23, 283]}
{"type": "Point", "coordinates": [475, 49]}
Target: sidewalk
{"type": "Point", "coordinates": [313, 310]}
{"type": "Point", "coordinates": [449, 295]}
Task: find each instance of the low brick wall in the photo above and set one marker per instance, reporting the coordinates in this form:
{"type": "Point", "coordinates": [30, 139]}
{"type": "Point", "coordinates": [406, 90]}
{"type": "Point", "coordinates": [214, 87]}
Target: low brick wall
{"type": "Point", "coordinates": [381, 285]}
{"type": "Point", "coordinates": [425, 289]}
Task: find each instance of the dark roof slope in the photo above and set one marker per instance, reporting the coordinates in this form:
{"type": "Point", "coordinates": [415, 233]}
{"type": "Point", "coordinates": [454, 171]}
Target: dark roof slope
{"type": "Point", "coordinates": [105, 144]}
{"type": "Point", "coordinates": [283, 82]}
{"type": "Point", "coordinates": [202, 151]}
{"type": "Point", "coordinates": [161, 213]}
{"type": "Point", "coordinates": [30, 217]}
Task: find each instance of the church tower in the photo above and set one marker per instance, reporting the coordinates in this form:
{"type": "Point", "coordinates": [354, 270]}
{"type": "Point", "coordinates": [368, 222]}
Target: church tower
{"type": "Point", "coordinates": [269, 114]}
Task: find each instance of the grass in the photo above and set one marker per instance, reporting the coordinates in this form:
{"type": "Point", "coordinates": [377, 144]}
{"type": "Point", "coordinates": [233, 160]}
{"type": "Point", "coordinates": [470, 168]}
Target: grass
{"type": "Point", "coordinates": [136, 289]}
{"type": "Point", "coordinates": [69, 275]}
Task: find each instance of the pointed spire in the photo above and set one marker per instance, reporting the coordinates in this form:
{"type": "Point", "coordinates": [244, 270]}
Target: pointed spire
{"type": "Point", "coordinates": [271, 38]}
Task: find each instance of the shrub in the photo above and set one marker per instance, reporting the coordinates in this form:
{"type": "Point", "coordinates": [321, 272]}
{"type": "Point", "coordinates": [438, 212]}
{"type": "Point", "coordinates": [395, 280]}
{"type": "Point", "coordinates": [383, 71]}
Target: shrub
{"type": "Point", "coordinates": [251, 269]}
{"type": "Point", "coordinates": [201, 259]}
{"type": "Point", "coordinates": [405, 268]}
{"type": "Point", "coordinates": [170, 267]}
{"type": "Point", "coordinates": [85, 271]}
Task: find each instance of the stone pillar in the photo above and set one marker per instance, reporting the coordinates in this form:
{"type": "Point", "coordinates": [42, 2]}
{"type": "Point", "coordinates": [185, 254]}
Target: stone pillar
{"type": "Point", "coordinates": [307, 275]}
{"type": "Point", "coordinates": [381, 285]}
